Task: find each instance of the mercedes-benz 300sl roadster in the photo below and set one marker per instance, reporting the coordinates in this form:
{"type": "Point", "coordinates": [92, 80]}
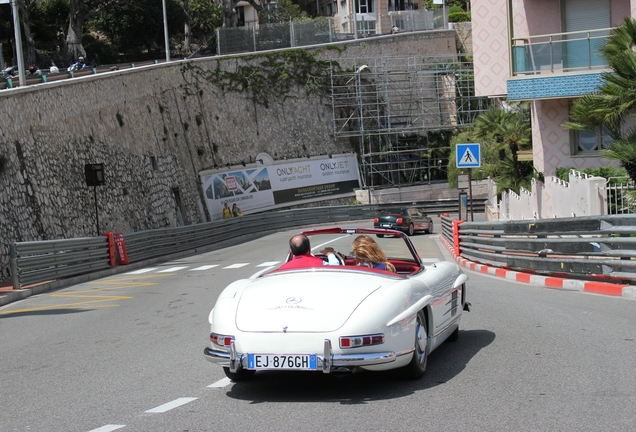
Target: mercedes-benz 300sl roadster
{"type": "Point", "coordinates": [339, 318]}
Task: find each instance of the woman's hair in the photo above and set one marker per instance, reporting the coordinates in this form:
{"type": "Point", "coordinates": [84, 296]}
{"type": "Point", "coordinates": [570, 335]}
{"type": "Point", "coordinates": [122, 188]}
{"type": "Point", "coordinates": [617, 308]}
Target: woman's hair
{"type": "Point", "coordinates": [367, 251]}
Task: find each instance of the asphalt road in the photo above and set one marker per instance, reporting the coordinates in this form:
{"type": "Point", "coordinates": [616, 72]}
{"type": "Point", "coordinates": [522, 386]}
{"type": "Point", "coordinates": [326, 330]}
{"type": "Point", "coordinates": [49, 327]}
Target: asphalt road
{"type": "Point", "coordinates": [125, 353]}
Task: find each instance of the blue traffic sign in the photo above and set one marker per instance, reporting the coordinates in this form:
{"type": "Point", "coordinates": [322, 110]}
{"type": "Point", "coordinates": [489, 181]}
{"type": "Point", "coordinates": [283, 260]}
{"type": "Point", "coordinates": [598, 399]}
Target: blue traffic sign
{"type": "Point", "coordinates": [468, 156]}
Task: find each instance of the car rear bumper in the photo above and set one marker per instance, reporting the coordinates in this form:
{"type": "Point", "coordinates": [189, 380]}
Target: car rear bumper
{"type": "Point", "coordinates": [327, 362]}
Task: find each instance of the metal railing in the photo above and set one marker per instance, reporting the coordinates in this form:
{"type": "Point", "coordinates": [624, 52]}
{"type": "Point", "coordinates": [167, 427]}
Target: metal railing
{"type": "Point", "coordinates": [590, 248]}
{"type": "Point", "coordinates": [559, 51]}
{"type": "Point", "coordinates": [621, 197]}
{"type": "Point", "coordinates": [36, 262]}
{"type": "Point", "coordinates": [278, 35]}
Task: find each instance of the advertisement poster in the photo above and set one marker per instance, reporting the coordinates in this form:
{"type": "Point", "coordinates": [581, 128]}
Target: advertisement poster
{"type": "Point", "coordinates": [281, 185]}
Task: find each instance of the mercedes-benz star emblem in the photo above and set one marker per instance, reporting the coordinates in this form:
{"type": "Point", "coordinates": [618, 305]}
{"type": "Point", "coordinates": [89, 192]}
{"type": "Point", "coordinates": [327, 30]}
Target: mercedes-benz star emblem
{"type": "Point", "coordinates": [294, 300]}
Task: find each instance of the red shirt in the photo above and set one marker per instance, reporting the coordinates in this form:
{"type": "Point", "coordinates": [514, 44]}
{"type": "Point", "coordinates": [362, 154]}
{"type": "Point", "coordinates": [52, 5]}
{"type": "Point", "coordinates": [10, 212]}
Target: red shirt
{"type": "Point", "coordinates": [301, 261]}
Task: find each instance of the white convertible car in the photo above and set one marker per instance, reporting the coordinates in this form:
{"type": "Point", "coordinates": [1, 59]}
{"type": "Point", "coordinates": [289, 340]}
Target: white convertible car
{"type": "Point", "coordinates": [339, 318]}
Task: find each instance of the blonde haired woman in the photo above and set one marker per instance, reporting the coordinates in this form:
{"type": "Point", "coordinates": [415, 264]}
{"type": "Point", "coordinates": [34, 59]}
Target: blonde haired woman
{"type": "Point", "coordinates": [369, 254]}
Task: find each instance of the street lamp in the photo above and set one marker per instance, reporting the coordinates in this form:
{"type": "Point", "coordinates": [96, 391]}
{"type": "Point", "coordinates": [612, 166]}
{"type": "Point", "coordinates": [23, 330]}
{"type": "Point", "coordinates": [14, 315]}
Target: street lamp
{"type": "Point", "coordinates": [165, 31]}
{"type": "Point", "coordinates": [18, 40]}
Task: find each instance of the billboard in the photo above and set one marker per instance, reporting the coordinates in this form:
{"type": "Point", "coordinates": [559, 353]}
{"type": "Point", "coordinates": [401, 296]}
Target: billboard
{"type": "Point", "coordinates": [281, 185]}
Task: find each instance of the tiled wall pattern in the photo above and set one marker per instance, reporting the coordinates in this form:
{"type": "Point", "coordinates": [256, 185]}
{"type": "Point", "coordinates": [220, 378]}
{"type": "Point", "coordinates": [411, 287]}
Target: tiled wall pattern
{"type": "Point", "coordinates": [553, 86]}
{"type": "Point", "coordinates": [490, 46]}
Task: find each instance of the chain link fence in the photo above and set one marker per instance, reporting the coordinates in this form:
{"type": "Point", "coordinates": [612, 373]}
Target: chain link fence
{"type": "Point", "coordinates": [278, 35]}
{"type": "Point", "coordinates": [321, 30]}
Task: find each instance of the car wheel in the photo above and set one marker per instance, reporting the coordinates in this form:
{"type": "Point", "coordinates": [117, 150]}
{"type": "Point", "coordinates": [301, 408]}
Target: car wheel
{"type": "Point", "coordinates": [430, 228]}
{"type": "Point", "coordinates": [416, 368]}
{"type": "Point", "coordinates": [380, 235]}
{"type": "Point", "coordinates": [411, 230]}
{"type": "Point", "coordinates": [454, 335]}
{"type": "Point", "coordinates": [241, 375]}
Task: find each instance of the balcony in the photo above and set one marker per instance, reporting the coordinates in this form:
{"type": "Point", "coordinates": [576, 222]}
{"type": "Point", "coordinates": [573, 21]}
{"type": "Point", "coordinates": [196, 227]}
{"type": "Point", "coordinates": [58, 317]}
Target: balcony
{"type": "Point", "coordinates": [559, 53]}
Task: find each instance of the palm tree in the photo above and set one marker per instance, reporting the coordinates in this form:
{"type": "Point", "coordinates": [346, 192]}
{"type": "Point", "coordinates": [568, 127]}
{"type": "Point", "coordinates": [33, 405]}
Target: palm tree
{"type": "Point", "coordinates": [615, 100]}
{"type": "Point", "coordinates": [504, 132]}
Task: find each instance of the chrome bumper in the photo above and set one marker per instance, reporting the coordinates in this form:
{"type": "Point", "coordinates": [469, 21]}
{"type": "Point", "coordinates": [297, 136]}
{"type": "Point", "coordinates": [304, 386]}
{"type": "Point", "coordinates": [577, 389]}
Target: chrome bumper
{"type": "Point", "coordinates": [326, 362]}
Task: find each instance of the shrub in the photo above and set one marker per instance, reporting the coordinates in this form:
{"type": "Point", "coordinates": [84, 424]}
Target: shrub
{"type": "Point", "coordinates": [459, 17]}
{"type": "Point", "coordinates": [455, 9]}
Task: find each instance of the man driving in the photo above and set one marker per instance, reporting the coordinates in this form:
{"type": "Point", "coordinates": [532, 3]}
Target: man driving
{"type": "Point", "coordinates": [301, 254]}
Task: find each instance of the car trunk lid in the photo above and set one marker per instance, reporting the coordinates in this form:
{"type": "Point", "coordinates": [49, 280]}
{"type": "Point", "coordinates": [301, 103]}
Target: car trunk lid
{"type": "Point", "coordinates": [305, 301]}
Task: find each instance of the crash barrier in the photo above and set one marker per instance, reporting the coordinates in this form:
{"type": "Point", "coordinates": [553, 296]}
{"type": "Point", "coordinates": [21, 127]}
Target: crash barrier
{"type": "Point", "coordinates": [590, 248]}
{"type": "Point", "coordinates": [34, 262]}
{"type": "Point", "coordinates": [39, 261]}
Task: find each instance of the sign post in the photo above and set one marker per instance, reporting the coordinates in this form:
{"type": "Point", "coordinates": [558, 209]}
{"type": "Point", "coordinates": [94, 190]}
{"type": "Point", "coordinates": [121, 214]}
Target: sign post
{"type": "Point", "coordinates": [468, 156]}
{"type": "Point", "coordinates": [94, 174]}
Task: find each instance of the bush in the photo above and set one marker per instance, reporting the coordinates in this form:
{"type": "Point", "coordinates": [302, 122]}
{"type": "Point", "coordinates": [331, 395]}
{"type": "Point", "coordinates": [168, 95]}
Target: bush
{"type": "Point", "coordinates": [615, 175]}
{"type": "Point", "coordinates": [459, 17]}
{"type": "Point", "coordinates": [99, 51]}
{"type": "Point", "coordinates": [455, 9]}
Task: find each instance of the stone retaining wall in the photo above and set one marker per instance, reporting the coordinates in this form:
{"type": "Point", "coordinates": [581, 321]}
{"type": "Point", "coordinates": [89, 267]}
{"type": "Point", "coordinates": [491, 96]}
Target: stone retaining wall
{"type": "Point", "coordinates": [154, 128]}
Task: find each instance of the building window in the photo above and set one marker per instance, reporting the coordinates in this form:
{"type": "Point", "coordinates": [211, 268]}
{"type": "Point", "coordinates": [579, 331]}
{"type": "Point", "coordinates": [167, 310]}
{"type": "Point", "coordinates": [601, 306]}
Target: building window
{"type": "Point", "coordinates": [240, 11]}
{"type": "Point", "coordinates": [329, 9]}
{"type": "Point", "coordinates": [366, 28]}
{"type": "Point", "coordinates": [335, 7]}
{"type": "Point", "coordinates": [590, 141]}
{"type": "Point", "coordinates": [343, 7]}
{"type": "Point", "coordinates": [364, 6]}
{"type": "Point", "coordinates": [400, 5]}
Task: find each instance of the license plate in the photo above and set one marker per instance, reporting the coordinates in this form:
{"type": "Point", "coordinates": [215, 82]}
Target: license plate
{"type": "Point", "coordinates": [386, 226]}
{"type": "Point", "coordinates": [281, 362]}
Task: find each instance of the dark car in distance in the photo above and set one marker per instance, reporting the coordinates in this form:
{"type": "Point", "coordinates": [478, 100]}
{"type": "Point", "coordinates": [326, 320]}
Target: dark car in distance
{"type": "Point", "coordinates": [408, 220]}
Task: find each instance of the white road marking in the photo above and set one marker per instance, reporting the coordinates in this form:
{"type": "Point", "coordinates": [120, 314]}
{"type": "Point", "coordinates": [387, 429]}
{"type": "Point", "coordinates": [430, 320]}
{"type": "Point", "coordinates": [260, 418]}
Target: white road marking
{"type": "Point", "coordinates": [205, 267]}
{"type": "Point", "coordinates": [221, 383]}
{"type": "Point", "coordinates": [172, 269]}
{"type": "Point", "coordinates": [237, 265]}
{"type": "Point", "coordinates": [146, 270]}
{"type": "Point", "coordinates": [170, 405]}
{"type": "Point", "coordinates": [268, 264]}
{"type": "Point", "coordinates": [108, 428]}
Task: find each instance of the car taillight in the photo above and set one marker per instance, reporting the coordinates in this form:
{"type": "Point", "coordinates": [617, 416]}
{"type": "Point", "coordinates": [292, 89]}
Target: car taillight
{"type": "Point", "coordinates": [221, 340]}
{"type": "Point", "coordinates": [376, 220]}
{"type": "Point", "coordinates": [399, 220]}
{"type": "Point", "coordinates": [358, 341]}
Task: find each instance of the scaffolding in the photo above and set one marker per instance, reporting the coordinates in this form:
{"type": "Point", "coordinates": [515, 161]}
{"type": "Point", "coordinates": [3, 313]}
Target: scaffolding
{"type": "Point", "coordinates": [400, 110]}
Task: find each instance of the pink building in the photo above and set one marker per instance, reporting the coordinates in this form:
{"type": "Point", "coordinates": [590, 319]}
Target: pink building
{"type": "Point", "coordinates": [545, 52]}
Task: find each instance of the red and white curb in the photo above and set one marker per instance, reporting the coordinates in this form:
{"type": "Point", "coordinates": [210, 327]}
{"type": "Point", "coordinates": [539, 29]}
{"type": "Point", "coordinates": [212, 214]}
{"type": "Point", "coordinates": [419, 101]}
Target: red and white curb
{"type": "Point", "coordinates": [603, 288]}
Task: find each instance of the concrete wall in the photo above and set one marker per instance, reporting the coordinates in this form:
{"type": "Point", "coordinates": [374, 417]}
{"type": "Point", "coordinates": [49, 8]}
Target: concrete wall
{"type": "Point", "coordinates": [583, 195]}
{"type": "Point", "coordinates": [155, 128]}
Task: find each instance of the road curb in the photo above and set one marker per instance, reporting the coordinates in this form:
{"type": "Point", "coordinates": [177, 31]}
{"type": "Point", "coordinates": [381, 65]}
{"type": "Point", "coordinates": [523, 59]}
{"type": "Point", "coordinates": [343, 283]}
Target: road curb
{"type": "Point", "coordinates": [603, 288]}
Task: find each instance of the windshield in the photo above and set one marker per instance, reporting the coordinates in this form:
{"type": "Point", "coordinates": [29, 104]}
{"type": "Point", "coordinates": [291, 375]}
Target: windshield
{"type": "Point", "coordinates": [394, 246]}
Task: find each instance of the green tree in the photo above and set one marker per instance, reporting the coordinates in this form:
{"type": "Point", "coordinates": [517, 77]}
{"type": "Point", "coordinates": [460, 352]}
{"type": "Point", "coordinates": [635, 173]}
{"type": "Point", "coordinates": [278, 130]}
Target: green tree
{"type": "Point", "coordinates": [615, 100]}
{"type": "Point", "coordinates": [137, 26]}
{"type": "Point", "coordinates": [502, 132]}
{"type": "Point", "coordinates": [464, 4]}
{"type": "Point", "coordinates": [205, 17]}
{"type": "Point", "coordinates": [284, 11]}
{"type": "Point", "coordinates": [49, 19]}
{"type": "Point", "coordinates": [80, 11]}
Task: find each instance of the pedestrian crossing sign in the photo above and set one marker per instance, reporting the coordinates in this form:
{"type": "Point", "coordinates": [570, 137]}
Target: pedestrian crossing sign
{"type": "Point", "coordinates": [468, 155]}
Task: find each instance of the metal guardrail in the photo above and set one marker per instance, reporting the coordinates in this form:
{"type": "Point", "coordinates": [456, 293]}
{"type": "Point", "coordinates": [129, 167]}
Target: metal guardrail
{"type": "Point", "coordinates": [35, 262]}
{"type": "Point", "coordinates": [592, 248]}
